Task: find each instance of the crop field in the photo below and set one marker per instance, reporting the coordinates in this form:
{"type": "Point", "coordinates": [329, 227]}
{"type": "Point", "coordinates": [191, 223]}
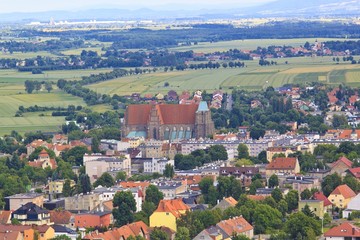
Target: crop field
{"type": "Point", "coordinates": [79, 50]}
{"type": "Point", "coordinates": [252, 77]}
{"type": "Point", "coordinates": [250, 44]}
{"type": "Point", "coordinates": [20, 55]}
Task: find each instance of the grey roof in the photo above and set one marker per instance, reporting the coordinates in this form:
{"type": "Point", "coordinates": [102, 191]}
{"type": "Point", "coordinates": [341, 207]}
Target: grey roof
{"type": "Point", "coordinates": [62, 229]}
{"type": "Point", "coordinates": [24, 196]}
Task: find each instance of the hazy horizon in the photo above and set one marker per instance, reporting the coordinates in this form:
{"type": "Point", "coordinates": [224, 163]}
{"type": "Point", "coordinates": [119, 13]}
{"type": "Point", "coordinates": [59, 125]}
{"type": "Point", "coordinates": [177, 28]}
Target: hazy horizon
{"type": "Point", "coordinates": [68, 5]}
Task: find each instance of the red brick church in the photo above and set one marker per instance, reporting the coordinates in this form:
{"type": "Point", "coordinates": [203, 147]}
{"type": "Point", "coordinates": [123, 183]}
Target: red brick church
{"type": "Point", "coordinates": [168, 121]}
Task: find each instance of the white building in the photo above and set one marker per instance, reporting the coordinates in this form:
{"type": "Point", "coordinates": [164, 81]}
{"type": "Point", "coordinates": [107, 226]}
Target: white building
{"type": "Point", "coordinates": [156, 165]}
{"type": "Point", "coordinates": [353, 205]}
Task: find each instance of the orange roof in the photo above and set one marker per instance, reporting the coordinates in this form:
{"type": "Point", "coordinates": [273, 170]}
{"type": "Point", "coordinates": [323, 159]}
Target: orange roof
{"type": "Point", "coordinates": [320, 196]}
{"type": "Point", "coordinates": [43, 153]}
{"type": "Point", "coordinates": [173, 206]}
{"type": "Point", "coordinates": [231, 200]}
{"type": "Point", "coordinates": [4, 217]}
{"type": "Point", "coordinates": [10, 235]}
{"type": "Point", "coordinates": [61, 148]}
{"type": "Point", "coordinates": [235, 225]}
{"type": "Point", "coordinates": [344, 160]}
{"type": "Point", "coordinates": [346, 229]}
{"type": "Point", "coordinates": [132, 229]}
{"type": "Point", "coordinates": [131, 184]}
{"type": "Point", "coordinates": [60, 216]}
{"type": "Point", "coordinates": [346, 133]}
{"type": "Point", "coordinates": [282, 163]}
{"type": "Point", "coordinates": [355, 172]}
{"type": "Point", "coordinates": [344, 190]}
{"type": "Point", "coordinates": [167, 113]}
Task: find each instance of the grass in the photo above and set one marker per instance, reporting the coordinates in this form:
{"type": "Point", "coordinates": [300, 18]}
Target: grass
{"type": "Point", "coordinates": [79, 50]}
{"type": "Point", "coordinates": [249, 44]}
{"type": "Point", "coordinates": [20, 55]}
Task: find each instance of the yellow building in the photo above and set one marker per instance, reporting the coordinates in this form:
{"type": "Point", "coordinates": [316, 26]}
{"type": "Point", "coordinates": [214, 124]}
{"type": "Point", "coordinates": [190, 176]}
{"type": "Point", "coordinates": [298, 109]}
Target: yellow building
{"type": "Point", "coordinates": [341, 196]}
{"type": "Point", "coordinates": [56, 187]}
{"type": "Point", "coordinates": [135, 142]}
{"type": "Point", "coordinates": [316, 206]}
{"type": "Point", "coordinates": [167, 213]}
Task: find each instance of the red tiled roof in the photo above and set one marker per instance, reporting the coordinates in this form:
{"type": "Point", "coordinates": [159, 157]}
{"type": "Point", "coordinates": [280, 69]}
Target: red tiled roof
{"type": "Point", "coordinates": [231, 200]}
{"type": "Point", "coordinates": [172, 206]}
{"type": "Point", "coordinates": [43, 153]}
{"type": "Point", "coordinates": [282, 163]}
{"type": "Point", "coordinates": [344, 190]}
{"type": "Point", "coordinates": [4, 217]}
{"type": "Point", "coordinates": [167, 113]}
{"type": "Point", "coordinates": [237, 225]}
{"type": "Point", "coordinates": [346, 133]}
{"type": "Point", "coordinates": [60, 217]}
{"type": "Point", "coordinates": [256, 197]}
{"type": "Point", "coordinates": [130, 184]}
{"type": "Point", "coordinates": [355, 172]}
{"type": "Point", "coordinates": [346, 229]}
{"type": "Point", "coordinates": [320, 196]}
{"type": "Point", "coordinates": [344, 160]}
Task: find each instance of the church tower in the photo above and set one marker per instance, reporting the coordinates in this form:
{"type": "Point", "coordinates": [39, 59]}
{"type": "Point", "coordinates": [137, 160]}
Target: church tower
{"type": "Point", "coordinates": [204, 125]}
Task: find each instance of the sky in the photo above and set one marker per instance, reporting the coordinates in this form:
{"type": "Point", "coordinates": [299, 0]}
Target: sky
{"type": "Point", "coordinates": [75, 5]}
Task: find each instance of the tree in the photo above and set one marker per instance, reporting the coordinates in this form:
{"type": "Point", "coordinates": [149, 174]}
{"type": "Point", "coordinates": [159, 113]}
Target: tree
{"type": "Point", "coordinates": [255, 185]}
{"type": "Point", "coordinates": [330, 182]}
{"type": "Point", "coordinates": [306, 210]}
{"type": "Point", "coordinates": [266, 218]}
{"type": "Point", "coordinates": [48, 86]}
{"type": "Point", "coordinates": [352, 183]}
{"type": "Point", "coordinates": [153, 195]}
{"type": "Point", "coordinates": [292, 199]}
{"type": "Point", "coordinates": [339, 120]}
{"type": "Point", "coordinates": [61, 237]}
{"type": "Point", "coordinates": [240, 237]}
{"type": "Point", "coordinates": [124, 207]}
{"type": "Point", "coordinates": [105, 180]}
{"type": "Point", "coordinates": [283, 207]}
{"type": "Point", "coordinates": [121, 176]}
{"type": "Point", "coordinates": [182, 234]}
{"type": "Point", "coordinates": [67, 188]}
{"type": "Point", "coordinates": [277, 194]}
{"type": "Point", "coordinates": [273, 181]}
{"type": "Point", "coordinates": [158, 234]}
{"type": "Point", "coordinates": [169, 171]}
{"type": "Point", "coordinates": [148, 208]}
{"type": "Point", "coordinates": [243, 151]}
{"type": "Point", "coordinates": [217, 152]}
{"type": "Point", "coordinates": [205, 185]}
{"type": "Point", "coordinates": [85, 185]}
{"type": "Point", "coordinates": [29, 86]}
{"type": "Point", "coordinates": [300, 223]}
{"type": "Point", "coordinates": [306, 194]}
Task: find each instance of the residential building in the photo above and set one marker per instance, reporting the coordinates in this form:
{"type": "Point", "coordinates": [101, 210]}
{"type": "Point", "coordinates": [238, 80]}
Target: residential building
{"type": "Point", "coordinates": [345, 231]}
{"type": "Point", "coordinates": [5, 217]}
{"type": "Point", "coordinates": [341, 166]}
{"type": "Point", "coordinates": [244, 174]}
{"type": "Point", "coordinates": [15, 201]}
{"type": "Point", "coordinates": [122, 233]}
{"type": "Point", "coordinates": [60, 139]}
{"type": "Point", "coordinates": [168, 121]}
{"type": "Point", "coordinates": [327, 204]}
{"type": "Point", "coordinates": [35, 144]}
{"type": "Point", "coordinates": [316, 206]}
{"type": "Point", "coordinates": [225, 203]}
{"type": "Point", "coordinates": [226, 229]}
{"type": "Point", "coordinates": [31, 213]}
{"type": "Point", "coordinates": [341, 196]}
{"type": "Point", "coordinates": [283, 166]}
{"type": "Point", "coordinates": [82, 202]}
{"type": "Point", "coordinates": [300, 183]}
{"type": "Point", "coordinates": [156, 165]}
{"type": "Point", "coordinates": [56, 187]}
{"type": "Point", "coordinates": [171, 189]}
{"type": "Point", "coordinates": [353, 205]}
{"type": "Point", "coordinates": [112, 165]}
{"type": "Point", "coordinates": [167, 212]}
{"type": "Point", "coordinates": [62, 230]}
{"type": "Point", "coordinates": [273, 151]}
{"type": "Point", "coordinates": [43, 161]}
{"type": "Point", "coordinates": [93, 219]}
{"type": "Point", "coordinates": [61, 217]}
{"type": "Point", "coordinates": [355, 172]}
{"type": "Point", "coordinates": [27, 232]}
{"type": "Point", "coordinates": [54, 204]}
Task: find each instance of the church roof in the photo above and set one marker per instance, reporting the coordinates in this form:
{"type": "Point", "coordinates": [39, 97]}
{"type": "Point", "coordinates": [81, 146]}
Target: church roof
{"type": "Point", "coordinates": [203, 107]}
{"type": "Point", "coordinates": [168, 113]}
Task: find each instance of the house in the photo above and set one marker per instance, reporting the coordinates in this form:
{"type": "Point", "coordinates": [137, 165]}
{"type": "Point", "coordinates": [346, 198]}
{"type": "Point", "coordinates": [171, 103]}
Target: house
{"type": "Point", "coordinates": [16, 235]}
{"type": "Point", "coordinates": [56, 187]}
{"type": "Point", "coordinates": [272, 151]}
{"type": "Point", "coordinates": [58, 149]}
{"type": "Point", "coordinates": [341, 166]}
{"type": "Point", "coordinates": [60, 139]}
{"type": "Point", "coordinates": [171, 189]}
{"type": "Point", "coordinates": [300, 183]}
{"type": "Point", "coordinates": [82, 202]}
{"type": "Point", "coordinates": [226, 229]}
{"type": "Point", "coordinates": [167, 212]}
{"type": "Point", "coordinates": [15, 201]}
{"type": "Point", "coordinates": [345, 231]}
{"type": "Point", "coordinates": [122, 233]}
{"type": "Point", "coordinates": [61, 230]}
{"type": "Point", "coordinates": [156, 165]}
{"type": "Point", "coordinates": [226, 203]}
{"type": "Point", "coordinates": [5, 217]}
{"type": "Point", "coordinates": [316, 206]}
{"type": "Point", "coordinates": [244, 174]}
{"type": "Point", "coordinates": [43, 161]}
{"type": "Point", "coordinates": [326, 202]}
{"type": "Point", "coordinates": [283, 166]}
{"type": "Point", "coordinates": [31, 213]}
{"type": "Point", "coordinates": [353, 205]}
{"type": "Point", "coordinates": [35, 144]}
{"type": "Point", "coordinates": [355, 172]}
{"type": "Point", "coordinates": [61, 217]}
{"type": "Point", "coordinates": [27, 232]}
{"type": "Point", "coordinates": [93, 219]}
{"type": "Point", "coordinates": [341, 196]}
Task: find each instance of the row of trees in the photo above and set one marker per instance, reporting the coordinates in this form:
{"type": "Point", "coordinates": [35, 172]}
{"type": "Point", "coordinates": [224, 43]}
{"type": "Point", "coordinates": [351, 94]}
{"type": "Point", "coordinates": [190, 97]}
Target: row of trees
{"type": "Point", "coordinates": [30, 86]}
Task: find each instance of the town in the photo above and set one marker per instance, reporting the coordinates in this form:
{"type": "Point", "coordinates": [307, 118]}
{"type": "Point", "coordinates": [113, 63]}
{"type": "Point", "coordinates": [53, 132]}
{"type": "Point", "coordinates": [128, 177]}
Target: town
{"type": "Point", "coordinates": [282, 163]}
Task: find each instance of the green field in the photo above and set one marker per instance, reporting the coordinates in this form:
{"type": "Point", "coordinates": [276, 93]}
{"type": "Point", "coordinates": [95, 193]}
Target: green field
{"type": "Point", "coordinates": [250, 44]}
{"type": "Point", "coordinates": [20, 55]}
{"type": "Point", "coordinates": [252, 77]}
{"type": "Point", "coordinates": [13, 95]}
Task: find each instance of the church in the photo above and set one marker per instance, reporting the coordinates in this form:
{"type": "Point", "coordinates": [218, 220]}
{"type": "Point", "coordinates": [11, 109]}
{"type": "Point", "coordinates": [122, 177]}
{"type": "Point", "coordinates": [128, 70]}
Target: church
{"type": "Point", "coordinates": [168, 121]}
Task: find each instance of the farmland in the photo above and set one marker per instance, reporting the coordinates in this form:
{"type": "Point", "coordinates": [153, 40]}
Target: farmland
{"type": "Point", "coordinates": [252, 77]}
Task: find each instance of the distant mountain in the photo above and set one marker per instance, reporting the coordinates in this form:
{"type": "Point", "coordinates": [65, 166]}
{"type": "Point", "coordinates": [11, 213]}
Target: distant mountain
{"type": "Point", "coordinates": [307, 8]}
{"type": "Point", "coordinates": [278, 8]}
